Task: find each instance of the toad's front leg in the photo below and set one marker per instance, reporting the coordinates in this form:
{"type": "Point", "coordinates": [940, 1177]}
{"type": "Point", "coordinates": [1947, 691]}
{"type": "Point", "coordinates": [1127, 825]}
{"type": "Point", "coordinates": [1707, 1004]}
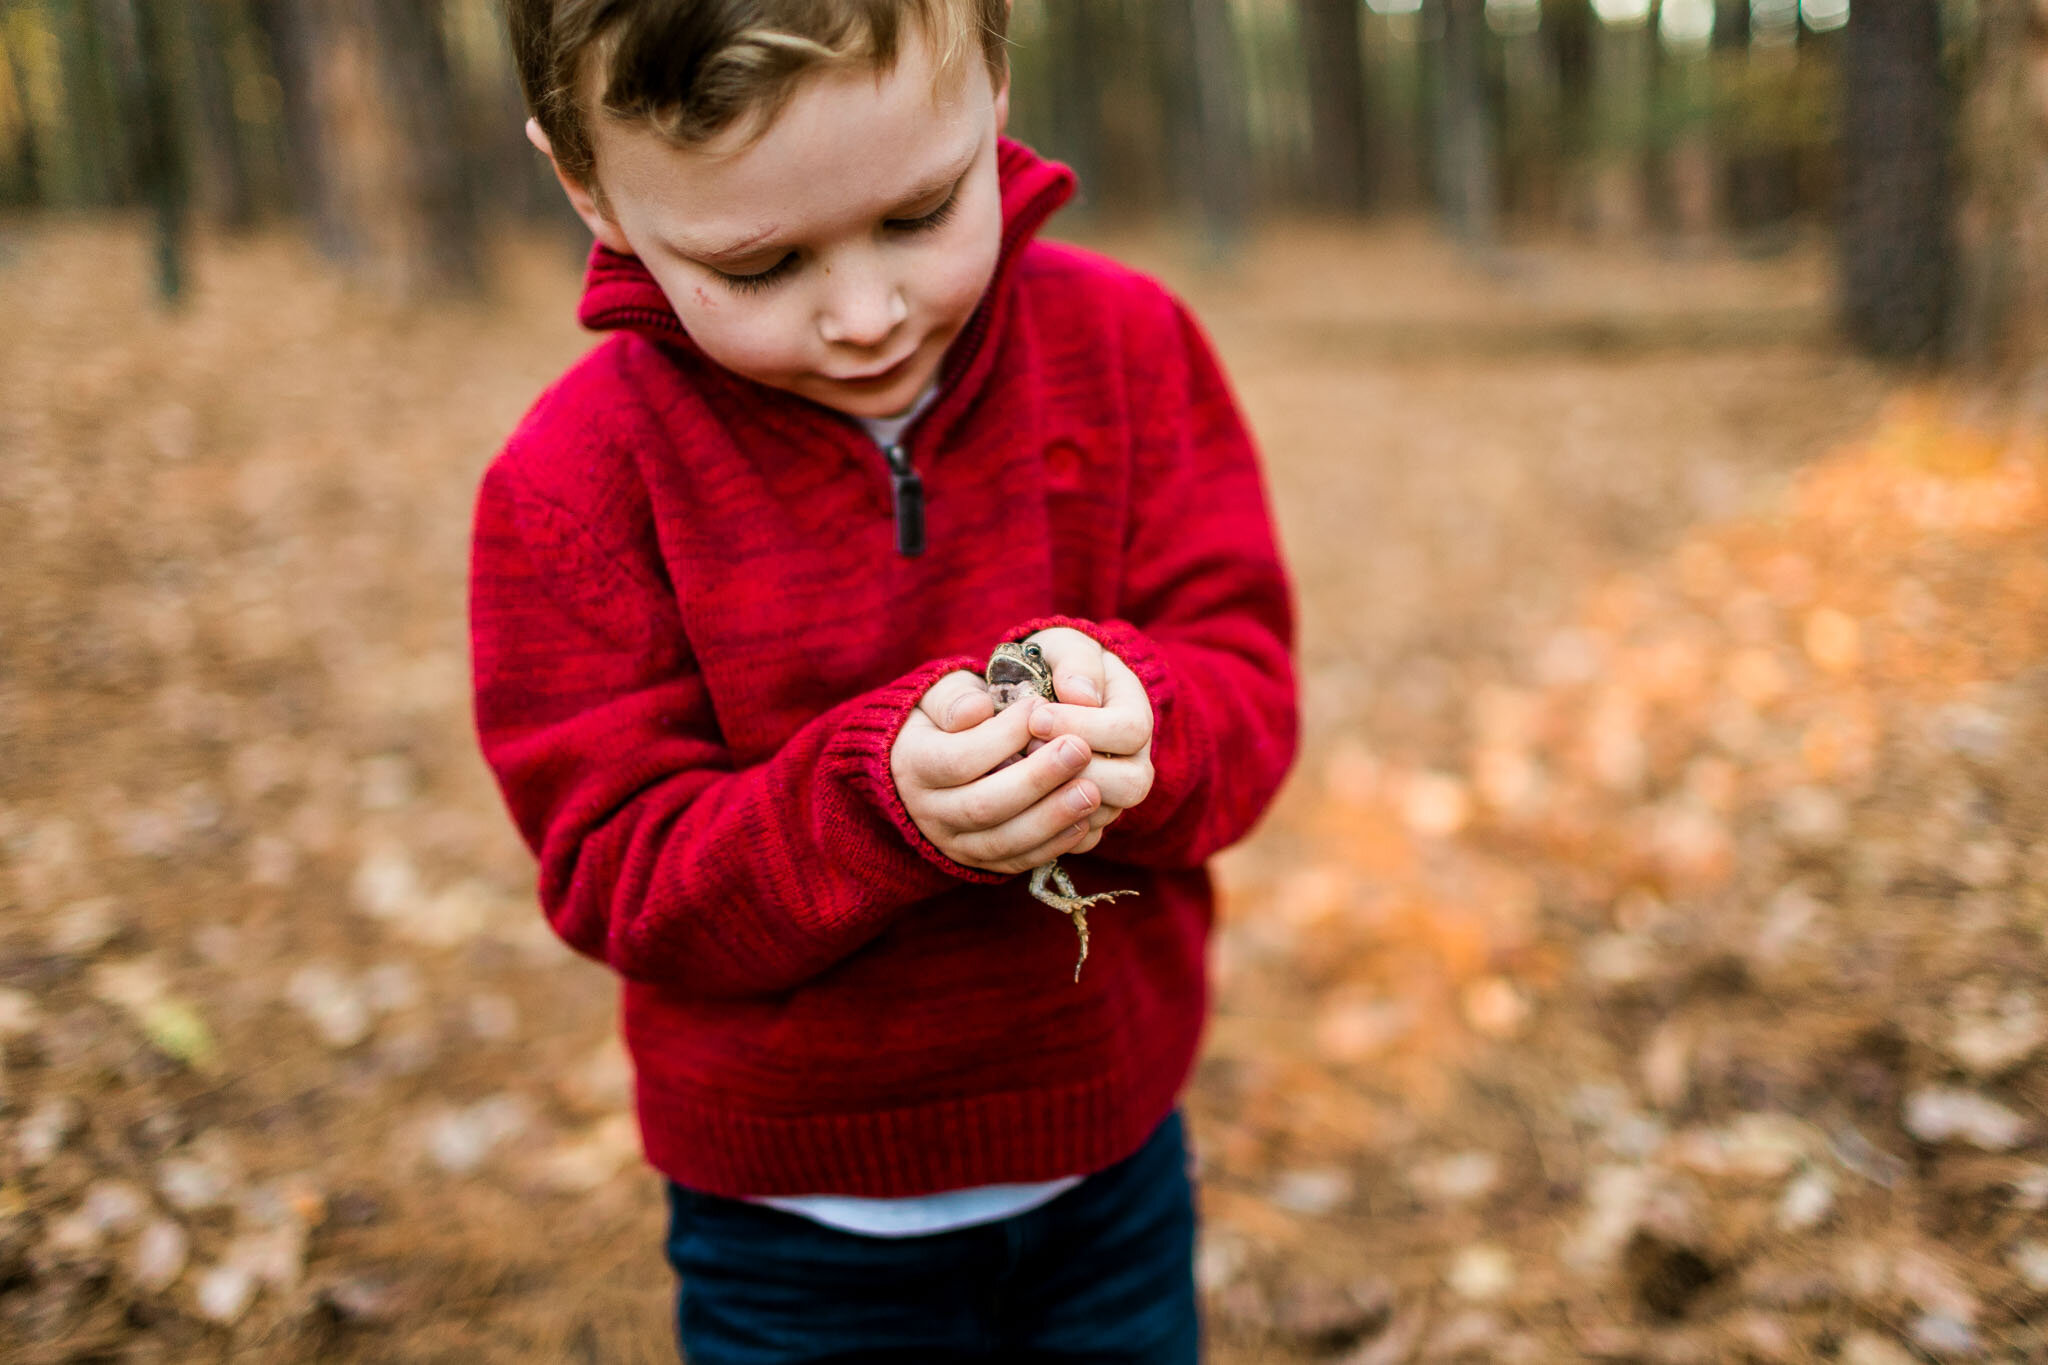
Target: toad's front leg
{"type": "Point", "coordinates": [1067, 900]}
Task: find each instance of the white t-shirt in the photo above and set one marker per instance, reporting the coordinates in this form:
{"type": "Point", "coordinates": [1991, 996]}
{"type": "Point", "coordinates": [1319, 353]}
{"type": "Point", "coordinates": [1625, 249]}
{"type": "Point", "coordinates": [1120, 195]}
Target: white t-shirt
{"type": "Point", "coordinates": [920, 1215]}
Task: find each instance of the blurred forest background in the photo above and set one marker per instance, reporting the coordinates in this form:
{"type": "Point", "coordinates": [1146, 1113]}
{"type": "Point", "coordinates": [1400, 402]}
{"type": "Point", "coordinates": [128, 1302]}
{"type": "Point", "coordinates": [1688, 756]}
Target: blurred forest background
{"type": "Point", "coordinates": [1645, 961]}
{"type": "Point", "coordinates": [391, 130]}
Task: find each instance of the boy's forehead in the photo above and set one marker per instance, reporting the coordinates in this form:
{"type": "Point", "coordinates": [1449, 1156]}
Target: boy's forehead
{"type": "Point", "coordinates": [849, 142]}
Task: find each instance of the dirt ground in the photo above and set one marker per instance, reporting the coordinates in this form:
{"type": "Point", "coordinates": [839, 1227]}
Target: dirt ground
{"type": "Point", "coordinates": [1642, 964]}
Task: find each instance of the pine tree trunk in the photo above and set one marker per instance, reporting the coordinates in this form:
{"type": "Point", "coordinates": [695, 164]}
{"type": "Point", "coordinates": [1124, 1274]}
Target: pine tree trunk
{"type": "Point", "coordinates": [93, 145]}
{"type": "Point", "coordinates": [412, 54]}
{"type": "Point", "coordinates": [1224, 182]}
{"type": "Point", "coordinates": [2002, 314]}
{"type": "Point", "coordinates": [1896, 252]}
{"type": "Point", "coordinates": [1078, 46]}
{"type": "Point", "coordinates": [1466, 168]}
{"type": "Point", "coordinates": [27, 174]}
{"type": "Point", "coordinates": [230, 192]}
{"type": "Point", "coordinates": [1568, 32]}
{"type": "Point", "coordinates": [149, 111]}
{"type": "Point", "coordinates": [292, 35]}
{"type": "Point", "coordinates": [1339, 144]}
{"type": "Point", "coordinates": [1202, 97]}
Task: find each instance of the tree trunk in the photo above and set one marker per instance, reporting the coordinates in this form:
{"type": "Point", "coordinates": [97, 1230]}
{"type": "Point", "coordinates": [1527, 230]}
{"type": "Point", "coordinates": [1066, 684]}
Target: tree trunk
{"type": "Point", "coordinates": [149, 111]}
{"type": "Point", "coordinates": [292, 36]}
{"type": "Point", "coordinates": [2002, 315]}
{"type": "Point", "coordinates": [94, 148]}
{"type": "Point", "coordinates": [1467, 174]}
{"type": "Point", "coordinates": [1078, 43]}
{"type": "Point", "coordinates": [230, 192]}
{"type": "Point", "coordinates": [1568, 31]}
{"type": "Point", "coordinates": [1224, 184]}
{"type": "Point", "coordinates": [412, 54]}
{"type": "Point", "coordinates": [1896, 252]}
{"type": "Point", "coordinates": [1339, 142]}
{"type": "Point", "coordinates": [1201, 88]}
{"type": "Point", "coordinates": [26, 177]}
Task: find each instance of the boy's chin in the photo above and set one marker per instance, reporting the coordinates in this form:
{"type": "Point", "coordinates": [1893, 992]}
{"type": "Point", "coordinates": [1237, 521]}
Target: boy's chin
{"type": "Point", "coordinates": [872, 402]}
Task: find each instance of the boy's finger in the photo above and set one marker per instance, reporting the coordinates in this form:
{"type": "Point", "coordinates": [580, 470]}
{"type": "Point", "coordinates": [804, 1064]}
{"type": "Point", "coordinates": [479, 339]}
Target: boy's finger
{"type": "Point", "coordinates": [956, 702]}
{"type": "Point", "coordinates": [1069, 840]}
{"type": "Point", "coordinates": [1076, 663]}
{"type": "Point", "coordinates": [1123, 782]}
{"type": "Point", "coordinates": [1105, 815]}
{"type": "Point", "coordinates": [1000, 797]}
{"type": "Point", "coordinates": [1077, 687]}
{"type": "Point", "coordinates": [1048, 821]}
{"type": "Point", "coordinates": [955, 760]}
{"type": "Point", "coordinates": [1105, 729]}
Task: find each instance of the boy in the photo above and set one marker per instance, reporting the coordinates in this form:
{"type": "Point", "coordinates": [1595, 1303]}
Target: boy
{"type": "Point", "coordinates": [734, 579]}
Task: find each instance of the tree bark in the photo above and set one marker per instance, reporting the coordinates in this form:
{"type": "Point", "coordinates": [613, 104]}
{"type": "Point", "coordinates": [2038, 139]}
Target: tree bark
{"type": "Point", "coordinates": [149, 111]}
{"type": "Point", "coordinates": [292, 34]}
{"type": "Point", "coordinates": [1201, 86]}
{"type": "Point", "coordinates": [230, 191]}
{"type": "Point", "coordinates": [1466, 167]}
{"type": "Point", "coordinates": [412, 54]}
{"type": "Point", "coordinates": [94, 146]}
{"type": "Point", "coordinates": [1078, 44]}
{"type": "Point", "coordinates": [1339, 141]}
{"type": "Point", "coordinates": [1896, 251]}
{"type": "Point", "coordinates": [27, 175]}
{"type": "Point", "coordinates": [2002, 314]}
{"type": "Point", "coordinates": [1567, 33]}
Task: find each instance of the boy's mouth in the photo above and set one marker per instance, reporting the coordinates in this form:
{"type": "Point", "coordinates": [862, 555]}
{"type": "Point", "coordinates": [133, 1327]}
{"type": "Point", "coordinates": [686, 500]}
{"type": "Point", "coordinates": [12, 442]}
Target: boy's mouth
{"type": "Point", "coordinates": [878, 378]}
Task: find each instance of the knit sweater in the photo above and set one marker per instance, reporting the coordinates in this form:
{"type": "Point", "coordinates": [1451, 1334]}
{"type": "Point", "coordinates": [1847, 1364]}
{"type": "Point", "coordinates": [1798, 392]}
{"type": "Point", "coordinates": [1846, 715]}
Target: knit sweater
{"type": "Point", "coordinates": [695, 639]}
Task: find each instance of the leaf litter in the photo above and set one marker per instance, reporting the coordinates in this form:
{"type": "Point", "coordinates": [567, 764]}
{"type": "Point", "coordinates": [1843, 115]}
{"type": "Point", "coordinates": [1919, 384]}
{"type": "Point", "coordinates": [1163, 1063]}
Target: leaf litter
{"type": "Point", "coordinates": [1640, 965]}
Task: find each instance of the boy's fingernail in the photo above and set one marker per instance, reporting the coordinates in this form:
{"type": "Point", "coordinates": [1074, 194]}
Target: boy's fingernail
{"type": "Point", "coordinates": [1042, 724]}
{"type": "Point", "coordinates": [1078, 802]}
{"type": "Point", "coordinates": [1083, 688]}
{"type": "Point", "coordinates": [1073, 752]}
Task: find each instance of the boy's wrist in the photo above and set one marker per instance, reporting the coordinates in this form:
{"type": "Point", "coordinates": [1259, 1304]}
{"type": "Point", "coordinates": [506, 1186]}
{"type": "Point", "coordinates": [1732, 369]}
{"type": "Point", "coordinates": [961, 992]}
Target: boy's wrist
{"type": "Point", "coordinates": [870, 738]}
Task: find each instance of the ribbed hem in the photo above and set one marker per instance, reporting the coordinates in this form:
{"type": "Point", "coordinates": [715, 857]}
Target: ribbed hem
{"type": "Point", "coordinates": [1002, 1139]}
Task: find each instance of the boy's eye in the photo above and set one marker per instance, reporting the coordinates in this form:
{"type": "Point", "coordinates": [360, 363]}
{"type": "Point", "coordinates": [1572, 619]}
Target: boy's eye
{"type": "Point", "coordinates": [759, 279]}
{"type": "Point", "coordinates": [937, 218]}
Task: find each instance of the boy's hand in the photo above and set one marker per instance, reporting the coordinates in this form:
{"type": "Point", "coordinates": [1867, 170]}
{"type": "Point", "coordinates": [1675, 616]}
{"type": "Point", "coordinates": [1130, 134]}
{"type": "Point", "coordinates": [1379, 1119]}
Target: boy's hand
{"type": "Point", "coordinates": [1102, 702]}
{"type": "Point", "coordinates": [952, 765]}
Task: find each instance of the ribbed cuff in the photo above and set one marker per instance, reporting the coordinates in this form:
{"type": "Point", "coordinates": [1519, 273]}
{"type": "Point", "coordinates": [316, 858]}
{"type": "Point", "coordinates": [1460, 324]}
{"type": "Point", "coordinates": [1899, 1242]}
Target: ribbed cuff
{"type": "Point", "coordinates": [1142, 657]}
{"type": "Point", "coordinates": [865, 741]}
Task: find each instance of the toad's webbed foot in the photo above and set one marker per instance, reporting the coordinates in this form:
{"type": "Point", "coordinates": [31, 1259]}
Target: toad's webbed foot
{"type": "Point", "coordinates": [1068, 901]}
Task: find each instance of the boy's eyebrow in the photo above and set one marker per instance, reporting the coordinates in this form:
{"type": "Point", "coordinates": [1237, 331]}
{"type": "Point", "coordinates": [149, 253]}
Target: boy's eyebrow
{"type": "Point", "coordinates": [743, 246]}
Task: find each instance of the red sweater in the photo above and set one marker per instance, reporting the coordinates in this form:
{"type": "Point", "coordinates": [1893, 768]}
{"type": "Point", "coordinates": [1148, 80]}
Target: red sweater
{"type": "Point", "coordinates": [695, 640]}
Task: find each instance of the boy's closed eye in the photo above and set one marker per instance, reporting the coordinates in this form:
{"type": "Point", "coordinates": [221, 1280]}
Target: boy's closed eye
{"type": "Point", "coordinates": [930, 220]}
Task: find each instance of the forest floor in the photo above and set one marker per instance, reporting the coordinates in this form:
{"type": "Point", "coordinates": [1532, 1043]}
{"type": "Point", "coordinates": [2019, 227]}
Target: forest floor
{"type": "Point", "coordinates": [1642, 964]}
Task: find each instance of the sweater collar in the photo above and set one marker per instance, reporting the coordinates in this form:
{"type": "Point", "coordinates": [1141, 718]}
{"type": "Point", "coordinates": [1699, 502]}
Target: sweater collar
{"type": "Point", "coordinates": [619, 293]}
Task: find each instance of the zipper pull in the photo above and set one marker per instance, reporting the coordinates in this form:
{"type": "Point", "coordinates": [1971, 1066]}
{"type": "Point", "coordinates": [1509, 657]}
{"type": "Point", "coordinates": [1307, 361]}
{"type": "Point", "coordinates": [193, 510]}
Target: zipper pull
{"type": "Point", "coordinates": [909, 501]}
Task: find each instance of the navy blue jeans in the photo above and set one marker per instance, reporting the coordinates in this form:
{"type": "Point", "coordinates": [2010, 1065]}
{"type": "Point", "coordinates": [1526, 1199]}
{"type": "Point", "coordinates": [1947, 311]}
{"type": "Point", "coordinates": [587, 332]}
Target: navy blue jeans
{"type": "Point", "coordinates": [1104, 1273]}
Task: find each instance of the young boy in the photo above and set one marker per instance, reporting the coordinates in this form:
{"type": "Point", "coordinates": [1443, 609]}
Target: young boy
{"type": "Point", "coordinates": [735, 579]}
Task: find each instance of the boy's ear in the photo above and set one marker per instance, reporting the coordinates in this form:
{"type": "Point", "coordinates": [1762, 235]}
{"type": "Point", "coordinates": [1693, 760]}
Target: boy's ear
{"type": "Point", "coordinates": [601, 224]}
{"type": "Point", "coordinates": [1003, 101]}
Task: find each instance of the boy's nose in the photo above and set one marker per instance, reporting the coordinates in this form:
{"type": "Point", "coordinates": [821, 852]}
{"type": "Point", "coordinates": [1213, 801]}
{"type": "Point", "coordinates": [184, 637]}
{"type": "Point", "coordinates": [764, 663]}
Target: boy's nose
{"type": "Point", "coordinates": [863, 316]}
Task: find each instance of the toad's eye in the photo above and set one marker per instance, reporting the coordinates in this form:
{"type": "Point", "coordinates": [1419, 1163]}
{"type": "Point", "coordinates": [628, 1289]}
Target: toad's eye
{"type": "Point", "coordinates": [1033, 652]}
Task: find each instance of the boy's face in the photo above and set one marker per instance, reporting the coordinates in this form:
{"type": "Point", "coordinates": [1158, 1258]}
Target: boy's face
{"type": "Point", "coordinates": [839, 254]}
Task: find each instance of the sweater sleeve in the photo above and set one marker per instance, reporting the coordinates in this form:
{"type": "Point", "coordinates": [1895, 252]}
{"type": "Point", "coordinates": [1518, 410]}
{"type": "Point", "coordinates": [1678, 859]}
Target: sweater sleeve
{"type": "Point", "coordinates": [657, 855]}
{"type": "Point", "coordinates": [1206, 620]}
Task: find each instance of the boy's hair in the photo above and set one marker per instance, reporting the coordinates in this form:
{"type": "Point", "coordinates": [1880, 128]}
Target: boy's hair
{"type": "Point", "coordinates": [693, 68]}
